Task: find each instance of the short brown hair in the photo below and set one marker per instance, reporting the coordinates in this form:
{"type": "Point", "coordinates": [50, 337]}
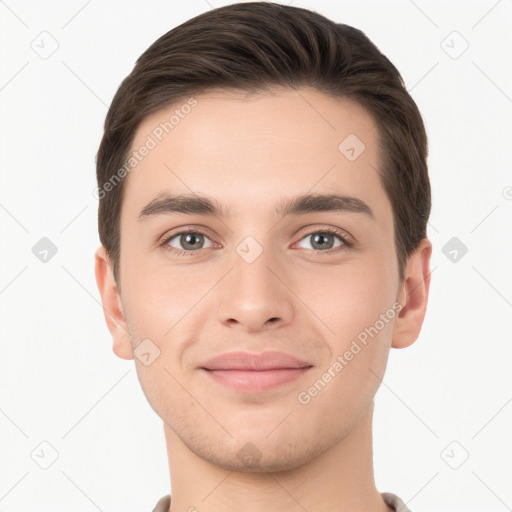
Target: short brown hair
{"type": "Point", "coordinates": [254, 47]}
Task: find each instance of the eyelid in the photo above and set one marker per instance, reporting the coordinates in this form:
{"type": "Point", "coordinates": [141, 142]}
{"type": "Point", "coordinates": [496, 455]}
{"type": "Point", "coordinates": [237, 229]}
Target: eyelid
{"type": "Point", "coordinates": [180, 231]}
{"type": "Point", "coordinates": [346, 238]}
{"type": "Point", "coordinates": [189, 228]}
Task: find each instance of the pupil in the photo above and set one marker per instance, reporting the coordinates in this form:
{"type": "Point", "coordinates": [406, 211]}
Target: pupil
{"type": "Point", "coordinates": [321, 236]}
{"type": "Point", "coordinates": [189, 240]}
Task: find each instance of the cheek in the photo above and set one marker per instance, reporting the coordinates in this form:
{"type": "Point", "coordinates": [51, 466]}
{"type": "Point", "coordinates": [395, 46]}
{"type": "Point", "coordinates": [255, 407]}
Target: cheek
{"type": "Point", "coordinates": [350, 296]}
{"type": "Point", "coordinates": [156, 297]}
{"type": "Point", "coordinates": [345, 386]}
{"type": "Point", "coordinates": [357, 303]}
{"type": "Point", "coordinates": [158, 310]}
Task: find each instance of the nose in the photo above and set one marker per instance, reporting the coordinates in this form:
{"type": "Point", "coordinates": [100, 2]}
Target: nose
{"type": "Point", "coordinates": [254, 295]}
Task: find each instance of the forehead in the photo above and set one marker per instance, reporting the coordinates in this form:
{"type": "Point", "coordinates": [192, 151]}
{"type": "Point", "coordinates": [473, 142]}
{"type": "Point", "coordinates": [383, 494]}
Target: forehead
{"type": "Point", "coordinates": [247, 149]}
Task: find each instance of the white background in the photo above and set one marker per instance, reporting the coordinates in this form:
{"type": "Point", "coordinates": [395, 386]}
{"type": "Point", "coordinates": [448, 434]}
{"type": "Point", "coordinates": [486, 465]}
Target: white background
{"type": "Point", "coordinates": [62, 384]}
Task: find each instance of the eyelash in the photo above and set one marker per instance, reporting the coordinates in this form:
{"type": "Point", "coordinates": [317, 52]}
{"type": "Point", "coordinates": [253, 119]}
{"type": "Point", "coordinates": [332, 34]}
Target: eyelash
{"type": "Point", "coordinates": [347, 243]}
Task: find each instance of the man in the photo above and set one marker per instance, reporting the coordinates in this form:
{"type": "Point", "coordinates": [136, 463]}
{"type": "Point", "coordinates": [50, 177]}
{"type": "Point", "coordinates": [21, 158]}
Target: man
{"type": "Point", "coordinates": [264, 197]}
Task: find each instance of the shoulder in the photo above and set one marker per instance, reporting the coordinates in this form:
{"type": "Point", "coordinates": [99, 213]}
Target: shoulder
{"type": "Point", "coordinates": [163, 504]}
{"type": "Point", "coordinates": [394, 502]}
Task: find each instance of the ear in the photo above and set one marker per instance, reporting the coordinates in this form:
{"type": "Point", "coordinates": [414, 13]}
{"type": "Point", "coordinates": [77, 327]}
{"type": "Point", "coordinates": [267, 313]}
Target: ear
{"type": "Point", "coordinates": [112, 305]}
{"type": "Point", "coordinates": [414, 296]}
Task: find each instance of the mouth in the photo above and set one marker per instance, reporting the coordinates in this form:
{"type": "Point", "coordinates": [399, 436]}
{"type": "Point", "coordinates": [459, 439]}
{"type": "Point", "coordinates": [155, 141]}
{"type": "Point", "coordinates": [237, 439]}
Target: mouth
{"type": "Point", "coordinates": [254, 372]}
{"type": "Point", "coordinates": [255, 381]}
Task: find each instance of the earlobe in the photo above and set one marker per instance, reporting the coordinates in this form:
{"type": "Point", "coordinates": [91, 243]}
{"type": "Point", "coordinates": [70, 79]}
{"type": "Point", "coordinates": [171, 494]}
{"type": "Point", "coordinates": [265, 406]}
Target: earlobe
{"type": "Point", "coordinates": [414, 297]}
{"type": "Point", "coordinates": [112, 305]}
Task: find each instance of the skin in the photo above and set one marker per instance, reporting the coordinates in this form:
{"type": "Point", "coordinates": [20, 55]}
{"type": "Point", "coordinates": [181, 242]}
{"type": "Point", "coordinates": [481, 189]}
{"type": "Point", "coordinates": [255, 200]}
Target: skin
{"type": "Point", "coordinates": [249, 152]}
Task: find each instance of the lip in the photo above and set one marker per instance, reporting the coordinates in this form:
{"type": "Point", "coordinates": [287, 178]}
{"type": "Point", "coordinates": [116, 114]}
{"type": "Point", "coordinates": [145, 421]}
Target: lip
{"type": "Point", "coordinates": [255, 381]}
{"type": "Point", "coordinates": [270, 360]}
{"type": "Point", "coordinates": [255, 373]}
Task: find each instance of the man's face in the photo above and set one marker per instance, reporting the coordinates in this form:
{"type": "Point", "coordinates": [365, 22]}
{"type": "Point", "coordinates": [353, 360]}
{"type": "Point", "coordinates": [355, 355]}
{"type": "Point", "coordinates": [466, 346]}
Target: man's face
{"type": "Point", "coordinates": [252, 281]}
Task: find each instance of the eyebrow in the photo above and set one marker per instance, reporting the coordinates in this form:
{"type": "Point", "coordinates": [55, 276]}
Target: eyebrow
{"type": "Point", "coordinates": [190, 204]}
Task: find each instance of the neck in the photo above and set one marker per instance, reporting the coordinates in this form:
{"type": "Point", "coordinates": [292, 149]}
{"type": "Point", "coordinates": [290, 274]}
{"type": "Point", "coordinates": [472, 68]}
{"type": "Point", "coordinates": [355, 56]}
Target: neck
{"type": "Point", "coordinates": [339, 480]}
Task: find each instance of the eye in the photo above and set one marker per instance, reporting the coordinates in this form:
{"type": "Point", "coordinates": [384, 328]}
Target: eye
{"type": "Point", "coordinates": [186, 242]}
{"type": "Point", "coordinates": [325, 240]}
{"type": "Point", "coordinates": [190, 241]}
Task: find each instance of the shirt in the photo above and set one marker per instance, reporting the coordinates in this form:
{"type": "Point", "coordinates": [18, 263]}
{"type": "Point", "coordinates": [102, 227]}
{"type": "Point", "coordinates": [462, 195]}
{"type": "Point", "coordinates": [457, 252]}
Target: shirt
{"type": "Point", "coordinates": [389, 498]}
